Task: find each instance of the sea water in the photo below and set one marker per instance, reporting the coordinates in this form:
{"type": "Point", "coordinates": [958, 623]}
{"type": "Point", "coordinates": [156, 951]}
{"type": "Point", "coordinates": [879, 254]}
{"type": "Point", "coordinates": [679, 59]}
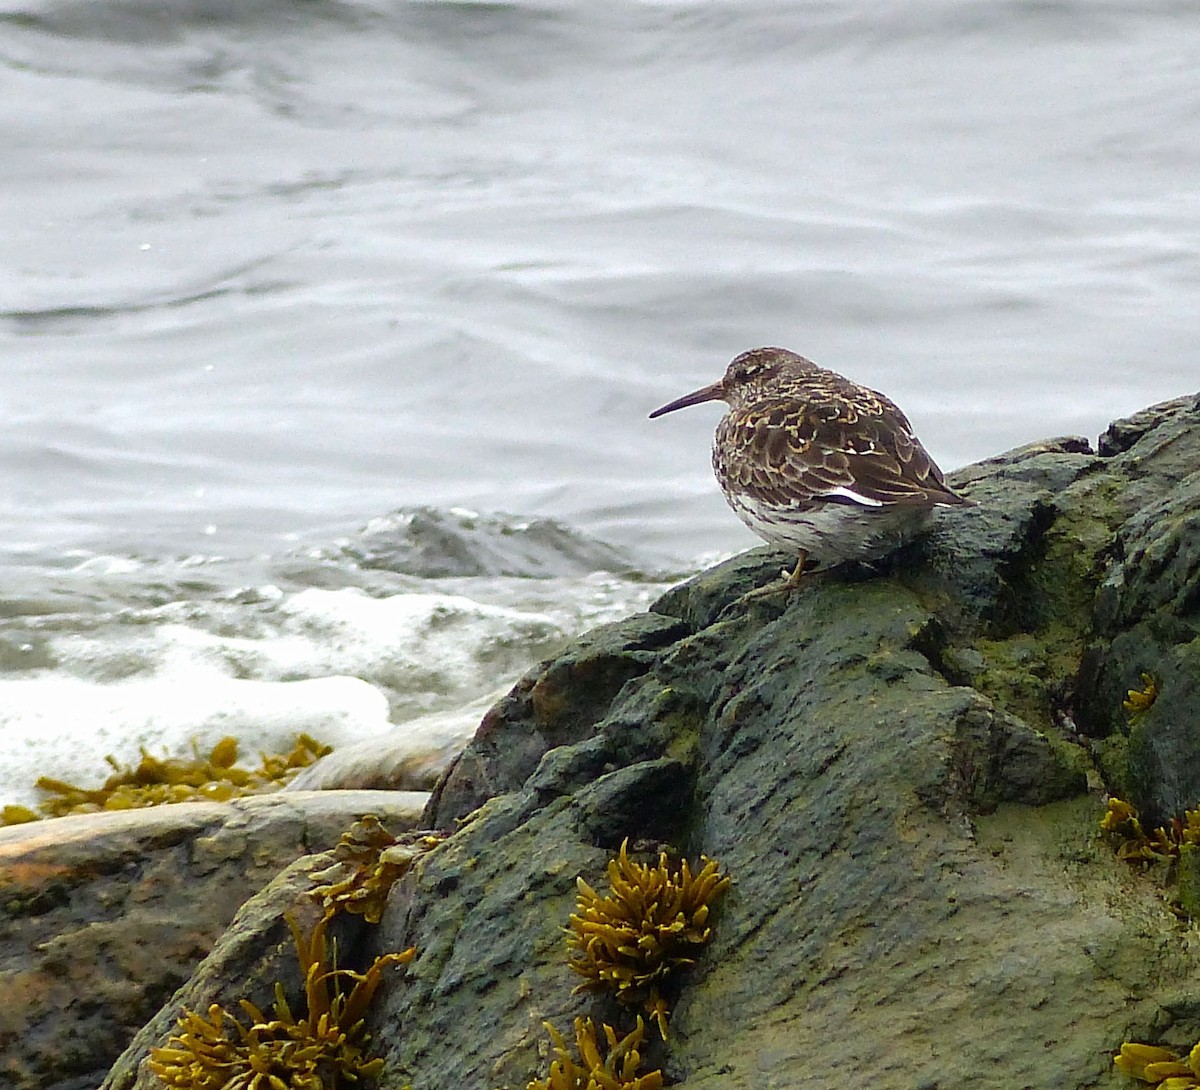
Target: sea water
{"type": "Point", "coordinates": [328, 331]}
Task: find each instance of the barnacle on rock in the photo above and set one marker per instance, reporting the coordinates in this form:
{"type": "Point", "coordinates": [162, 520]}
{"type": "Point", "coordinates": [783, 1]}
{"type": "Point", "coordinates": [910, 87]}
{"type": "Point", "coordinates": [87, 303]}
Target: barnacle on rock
{"type": "Point", "coordinates": [593, 1072]}
{"type": "Point", "coordinates": [323, 1050]}
{"type": "Point", "coordinates": [651, 925]}
{"type": "Point", "coordinates": [156, 780]}
{"type": "Point", "coordinates": [1159, 1066]}
{"type": "Point", "coordinates": [1138, 701]}
{"type": "Point", "coordinates": [1122, 826]}
{"type": "Point", "coordinates": [369, 861]}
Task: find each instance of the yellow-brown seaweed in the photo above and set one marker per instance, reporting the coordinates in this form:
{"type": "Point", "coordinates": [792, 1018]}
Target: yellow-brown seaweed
{"type": "Point", "coordinates": [1123, 827]}
{"type": "Point", "coordinates": [323, 1050]}
{"type": "Point", "coordinates": [158, 780]}
{"type": "Point", "coordinates": [1159, 1066]}
{"type": "Point", "coordinates": [369, 860]}
{"type": "Point", "coordinates": [651, 926]}
{"type": "Point", "coordinates": [594, 1072]}
{"type": "Point", "coordinates": [1138, 701]}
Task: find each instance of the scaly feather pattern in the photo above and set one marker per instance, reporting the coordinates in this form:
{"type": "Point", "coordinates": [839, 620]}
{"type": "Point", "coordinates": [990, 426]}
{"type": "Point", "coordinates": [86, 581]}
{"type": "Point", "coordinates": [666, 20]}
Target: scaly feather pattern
{"type": "Point", "coordinates": [815, 463]}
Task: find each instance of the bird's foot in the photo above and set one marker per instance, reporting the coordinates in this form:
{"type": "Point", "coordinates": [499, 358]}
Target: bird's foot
{"type": "Point", "coordinates": [787, 582]}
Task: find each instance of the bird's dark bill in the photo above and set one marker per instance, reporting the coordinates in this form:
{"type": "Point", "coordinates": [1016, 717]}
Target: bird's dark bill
{"type": "Point", "coordinates": [713, 392]}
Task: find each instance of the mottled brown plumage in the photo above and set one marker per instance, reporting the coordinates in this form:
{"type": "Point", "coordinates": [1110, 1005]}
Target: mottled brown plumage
{"type": "Point", "coordinates": [815, 463]}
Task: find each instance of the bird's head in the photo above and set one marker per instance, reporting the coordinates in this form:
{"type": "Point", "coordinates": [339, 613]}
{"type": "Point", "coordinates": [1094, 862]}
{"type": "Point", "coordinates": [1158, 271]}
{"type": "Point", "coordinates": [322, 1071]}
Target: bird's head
{"type": "Point", "coordinates": [747, 378]}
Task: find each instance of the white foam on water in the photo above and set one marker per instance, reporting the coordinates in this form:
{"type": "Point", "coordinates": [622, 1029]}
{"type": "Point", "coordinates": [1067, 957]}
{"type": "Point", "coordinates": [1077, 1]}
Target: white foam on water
{"type": "Point", "coordinates": [65, 727]}
{"type": "Point", "coordinates": [265, 665]}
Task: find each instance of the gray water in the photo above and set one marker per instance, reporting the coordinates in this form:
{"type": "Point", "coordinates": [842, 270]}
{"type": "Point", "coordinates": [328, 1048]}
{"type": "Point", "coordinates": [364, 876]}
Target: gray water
{"type": "Point", "coordinates": [270, 271]}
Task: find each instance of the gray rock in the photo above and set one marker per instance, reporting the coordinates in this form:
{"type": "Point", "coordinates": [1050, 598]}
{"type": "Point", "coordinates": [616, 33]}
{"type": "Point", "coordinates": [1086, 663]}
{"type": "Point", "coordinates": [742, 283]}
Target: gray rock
{"type": "Point", "coordinates": [1147, 614]}
{"type": "Point", "coordinates": [892, 766]}
{"type": "Point", "coordinates": [105, 915]}
{"type": "Point", "coordinates": [436, 543]}
{"type": "Point", "coordinates": [557, 703]}
{"type": "Point", "coordinates": [820, 756]}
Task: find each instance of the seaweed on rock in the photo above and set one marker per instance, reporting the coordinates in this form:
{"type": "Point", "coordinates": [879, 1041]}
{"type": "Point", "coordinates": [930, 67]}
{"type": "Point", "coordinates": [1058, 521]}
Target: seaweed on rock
{"type": "Point", "coordinates": [594, 1072]}
{"type": "Point", "coordinates": [1122, 826]}
{"type": "Point", "coordinates": [635, 939]}
{"type": "Point", "coordinates": [1159, 1066]}
{"type": "Point", "coordinates": [325, 1049]}
{"type": "Point", "coordinates": [153, 781]}
{"type": "Point", "coordinates": [1139, 701]}
{"type": "Point", "coordinates": [369, 861]}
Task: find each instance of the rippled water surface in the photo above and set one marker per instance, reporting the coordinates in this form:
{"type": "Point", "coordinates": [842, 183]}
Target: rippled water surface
{"type": "Point", "coordinates": [270, 271]}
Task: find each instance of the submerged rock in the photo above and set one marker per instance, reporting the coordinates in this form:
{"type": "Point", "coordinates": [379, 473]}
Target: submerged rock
{"type": "Point", "coordinates": [436, 543]}
{"type": "Point", "coordinates": [901, 770]}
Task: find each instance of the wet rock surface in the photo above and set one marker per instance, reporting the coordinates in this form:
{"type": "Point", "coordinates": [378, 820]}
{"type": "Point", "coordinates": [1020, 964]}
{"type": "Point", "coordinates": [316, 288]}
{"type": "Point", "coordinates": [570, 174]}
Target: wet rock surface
{"type": "Point", "coordinates": [893, 768]}
{"type": "Point", "coordinates": [902, 769]}
{"type": "Point", "coordinates": [105, 915]}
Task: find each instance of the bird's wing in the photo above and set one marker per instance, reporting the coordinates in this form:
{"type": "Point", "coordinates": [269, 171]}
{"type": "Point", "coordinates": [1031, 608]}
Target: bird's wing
{"type": "Point", "coordinates": [837, 449]}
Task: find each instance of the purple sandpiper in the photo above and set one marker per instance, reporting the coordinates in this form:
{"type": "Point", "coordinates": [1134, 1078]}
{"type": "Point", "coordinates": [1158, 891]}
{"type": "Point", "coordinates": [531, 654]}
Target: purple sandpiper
{"type": "Point", "coordinates": [816, 464]}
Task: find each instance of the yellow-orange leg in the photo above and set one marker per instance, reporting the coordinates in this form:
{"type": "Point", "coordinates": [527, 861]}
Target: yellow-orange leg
{"type": "Point", "coordinates": [785, 585]}
{"type": "Point", "coordinates": [792, 581]}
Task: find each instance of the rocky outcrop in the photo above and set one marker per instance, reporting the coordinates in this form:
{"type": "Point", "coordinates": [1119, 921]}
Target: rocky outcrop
{"type": "Point", "coordinates": [105, 915]}
{"type": "Point", "coordinates": [893, 768]}
{"type": "Point", "coordinates": [437, 543]}
{"type": "Point", "coordinates": [410, 757]}
{"type": "Point", "coordinates": [1147, 616]}
{"type": "Point", "coordinates": [902, 771]}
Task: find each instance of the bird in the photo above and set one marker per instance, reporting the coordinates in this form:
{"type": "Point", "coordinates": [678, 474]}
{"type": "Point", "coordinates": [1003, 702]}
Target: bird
{"type": "Point", "coordinates": [816, 464]}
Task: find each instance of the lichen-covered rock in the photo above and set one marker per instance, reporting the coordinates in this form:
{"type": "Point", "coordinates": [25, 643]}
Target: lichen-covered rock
{"type": "Point", "coordinates": [105, 915]}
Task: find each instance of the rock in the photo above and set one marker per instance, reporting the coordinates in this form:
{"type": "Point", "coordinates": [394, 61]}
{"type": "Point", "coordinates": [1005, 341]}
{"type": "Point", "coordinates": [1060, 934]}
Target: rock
{"type": "Point", "coordinates": [254, 953]}
{"type": "Point", "coordinates": [412, 757]}
{"type": "Point", "coordinates": [821, 758]}
{"type": "Point", "coordinates": [437, 543]}
{"type": "Point", "coordinates": [892, 765]}
{"type": "Point", "coordinates": [891, 770]}
{"type": "Point", "coordinates": [105, 915]}
{"type": "Point", "coordinates": [555, 704]}
{"type": "Point", "coordinates": [1147, 615]}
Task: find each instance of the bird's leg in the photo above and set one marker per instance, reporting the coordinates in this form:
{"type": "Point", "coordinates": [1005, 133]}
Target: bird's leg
{"type": "Point", "coordinates": [788, 583]}
{"type": "Point", "coordinates": [792, 581]}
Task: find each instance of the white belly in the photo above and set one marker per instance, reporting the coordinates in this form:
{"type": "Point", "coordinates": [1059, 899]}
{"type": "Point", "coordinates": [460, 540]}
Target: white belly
{"type": "Point", "coordinates": [832, 533]}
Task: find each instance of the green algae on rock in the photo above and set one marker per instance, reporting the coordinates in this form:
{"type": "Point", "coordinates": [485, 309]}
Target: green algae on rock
{"type": "Point", "coordinates": [634, 940]}
{"type": "Point", "coordinates": [617, 1071]}
{"type": "Point", "coordinates": [158, 780]}
{"type": "Point", "coordinates": [324, 1049]}
{"type": "Point", "coordinates": [369, 861]}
